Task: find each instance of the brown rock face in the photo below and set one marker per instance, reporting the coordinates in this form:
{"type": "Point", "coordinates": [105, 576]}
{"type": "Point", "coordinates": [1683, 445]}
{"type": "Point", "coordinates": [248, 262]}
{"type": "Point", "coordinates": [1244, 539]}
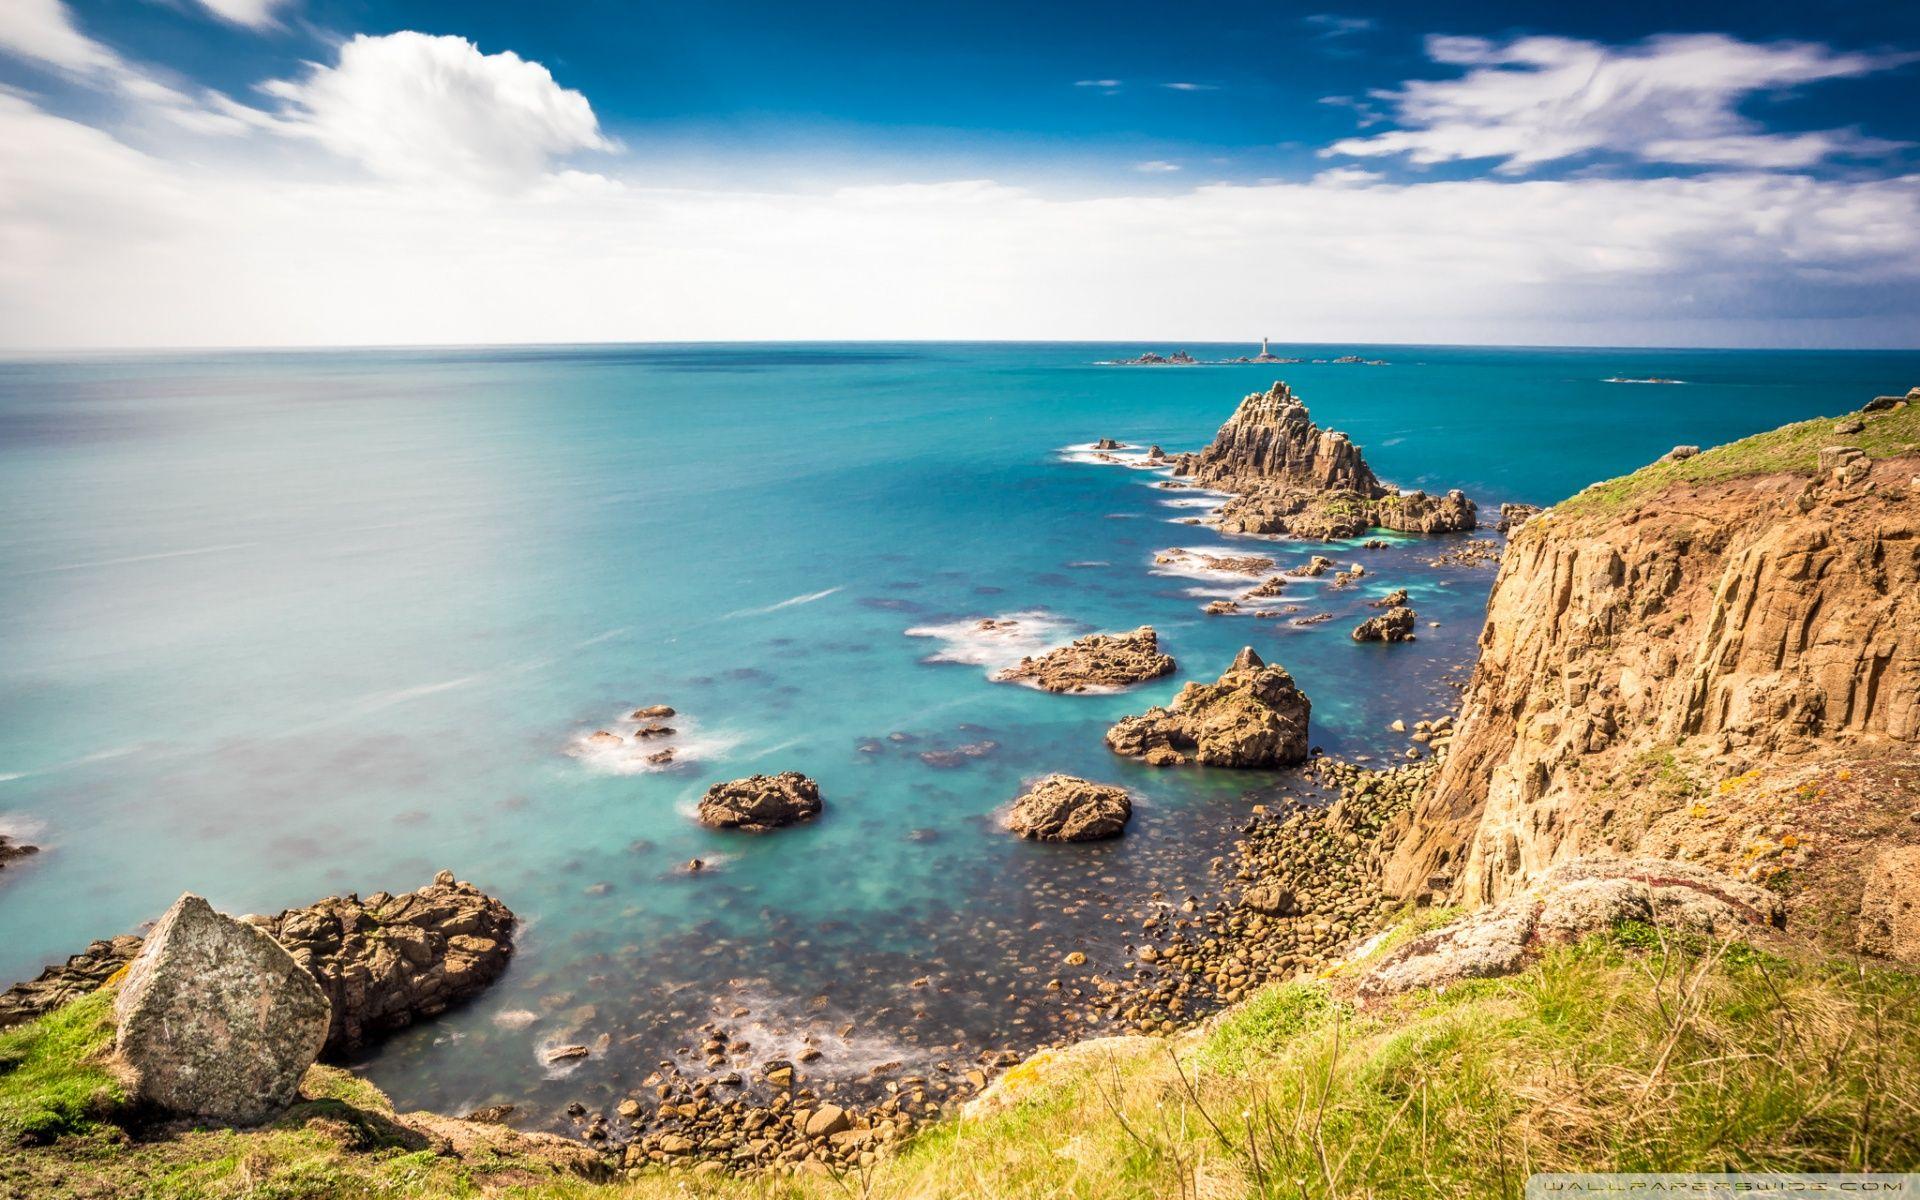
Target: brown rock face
{"type": "Point", "coordinates": [1100, 660]}
{"type": "Point", "coordinates": [215, 1019]}
{"type": "Point", "coordinates": [1752, 622]}
{"type": "Point", "coordinates": [1889, 923]}
{"type": "Point", "coordinates": [1253, 716]}
{"type": "Point", "coordinates": [1061, 808]}
{"type": "Point", "coordinates": [10, 850]}
{"type": "Point", "coordinates": [760, 802]}
{"type": "Point", "coordinates": [388, 961]}
{"type": "Point", "coordinates": [1291, 477]}
{"type": "Point", "coordinates": [1394, 625]}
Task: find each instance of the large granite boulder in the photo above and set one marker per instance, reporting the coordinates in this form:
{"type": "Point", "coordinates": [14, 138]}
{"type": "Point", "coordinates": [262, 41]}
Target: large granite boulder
{"type": "Point", "coordinates": [1585, 896]}
{"type": "Point", "coordinates": [387, 961]}
{"type": "Point", "coordinates": [1061, 808]}
{"type": "Point", "coordinates": [761, 802]}
{"type": "Point", "coordinates": [1394, 625]}
{"type": "Point", "coordinates": [215, 1019]}
{"type": "Point", "coordinates": [1252, 716]}
{"type": "Point", "coordinates": [1100, 661]}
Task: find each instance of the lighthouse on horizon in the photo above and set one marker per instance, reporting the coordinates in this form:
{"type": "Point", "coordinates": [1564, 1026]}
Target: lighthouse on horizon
{"type": "Point", "coordinates": [1264, 352]}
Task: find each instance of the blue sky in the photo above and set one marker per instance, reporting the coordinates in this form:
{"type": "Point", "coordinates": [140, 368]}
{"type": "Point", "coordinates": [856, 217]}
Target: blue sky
{"type": "Point", "coordinates": [1749, 175]}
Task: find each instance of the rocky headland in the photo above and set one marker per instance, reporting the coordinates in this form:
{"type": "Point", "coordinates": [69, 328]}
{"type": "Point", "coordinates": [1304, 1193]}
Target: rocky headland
{"type": "Point", "coordinates": [1715, 658]}
{"type": "Point", "coordinates": [1252, 716]}
{"type": "Point", "coordinates": [1097, 662]}
{"type": "Point", "coordinates": [1288, 476]}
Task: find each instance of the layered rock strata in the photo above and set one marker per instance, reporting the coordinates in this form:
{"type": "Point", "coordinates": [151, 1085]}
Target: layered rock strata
{"type": "Point", "coordinates": [1661, 646]}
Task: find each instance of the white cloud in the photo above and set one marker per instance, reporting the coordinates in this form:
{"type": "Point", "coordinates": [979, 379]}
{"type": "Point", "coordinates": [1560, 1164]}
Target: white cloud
{"type": "Point", "coordinates": [1183, 86]}
{"type": "Point", "coordinates": [255, 14]}
{"type": "Point", "coordinates": [44, 32]}
{"type": "Point", "coordinates": [408, 106]}
{"type": "Point", "coordinates": [1333, 25]}
{"type": "Point", "coordinates": [1156, 166]}
{"type": "Point", "coordinates": [100, 245]}
{"type": "Point", "coordinates": [1673, 98]}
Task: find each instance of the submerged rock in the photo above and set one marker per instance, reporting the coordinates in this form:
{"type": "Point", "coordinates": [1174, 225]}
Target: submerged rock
{"type": "Point", "coordinates": [1394, 625]}
{"type": "Point", "coordinates": [1252, 716]}
{"type": "Point", "coordinates": [1100, 660]}
{"type": "Point", "coordinates": [760, 802]}
{"type": "Point", "coordinates": [1061, 808]}
{"type": "Point", "coordinates": [10, 850]}
{"type": "Point", "coordinates": [216, 1019]}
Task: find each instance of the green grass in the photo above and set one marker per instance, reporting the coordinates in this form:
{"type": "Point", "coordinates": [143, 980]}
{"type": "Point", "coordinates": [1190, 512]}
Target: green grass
{"type": "Point", "coordinates": [1790, 449]}
{"type": "Point", "coordinates": [1641, 1051]}
{"type": "Point", "coordinates": [53, 1074]}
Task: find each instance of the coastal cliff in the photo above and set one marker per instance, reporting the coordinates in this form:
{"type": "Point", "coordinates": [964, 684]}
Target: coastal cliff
{"type": "Point", "coordinates": [1289, 476]}
{"type": "Point", "coordinates": [1716, 658]}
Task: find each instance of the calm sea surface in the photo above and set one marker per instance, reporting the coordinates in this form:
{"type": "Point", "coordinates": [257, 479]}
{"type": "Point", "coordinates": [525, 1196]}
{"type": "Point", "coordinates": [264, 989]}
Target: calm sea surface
{"type": "Point", "coordinates": [277, 625]}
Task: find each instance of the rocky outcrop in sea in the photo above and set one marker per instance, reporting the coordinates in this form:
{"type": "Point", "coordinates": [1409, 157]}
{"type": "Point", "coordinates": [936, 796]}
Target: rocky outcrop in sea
{"type": "Point", "coordinates": [761, 802]}
{"type": "Point", "coordinates": [388, 961]}
{"type": "Point", "coordinates": [1097, 662]}
{"type": "Point", "coordinates": [1252, 716]}
{"type": "Point", "coordinates": [1062, 808]}
{"type": "Point", "coordinates": [1291, 477]}
{"type": "Point", "coordinates": [1394, 625]}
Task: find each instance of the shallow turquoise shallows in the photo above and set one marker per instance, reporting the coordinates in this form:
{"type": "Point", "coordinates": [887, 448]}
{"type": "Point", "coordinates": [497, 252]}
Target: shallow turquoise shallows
{"type": "Point", "coordinates": [280, 625]}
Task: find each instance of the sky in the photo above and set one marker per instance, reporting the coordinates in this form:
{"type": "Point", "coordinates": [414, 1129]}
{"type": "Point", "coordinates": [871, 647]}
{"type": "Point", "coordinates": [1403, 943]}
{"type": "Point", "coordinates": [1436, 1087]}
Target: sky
{"type": "Point", "coordinates": [186, 173]}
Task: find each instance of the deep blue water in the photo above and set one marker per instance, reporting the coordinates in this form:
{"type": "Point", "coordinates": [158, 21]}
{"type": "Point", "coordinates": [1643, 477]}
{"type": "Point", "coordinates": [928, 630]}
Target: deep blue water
{"type": "Point", "coordinates": [281, 624]}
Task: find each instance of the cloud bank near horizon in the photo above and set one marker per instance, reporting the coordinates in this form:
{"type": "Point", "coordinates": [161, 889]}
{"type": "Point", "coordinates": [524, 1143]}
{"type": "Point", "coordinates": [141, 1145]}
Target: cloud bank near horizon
{"type": "Point", "coordinates": [419, 190]}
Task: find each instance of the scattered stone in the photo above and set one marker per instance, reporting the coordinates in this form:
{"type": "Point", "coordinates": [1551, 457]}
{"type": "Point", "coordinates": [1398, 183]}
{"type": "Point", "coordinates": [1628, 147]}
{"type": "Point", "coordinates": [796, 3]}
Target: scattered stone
{"type": "Point", "coordinates": [1679, 454]}
{"type": "Point", "coordinates": [1061, 808]}
{"type": "Point", "coordinates": [1513, 516]}
{"type": "Point", "coordinates": [760, 802]}
{"type": "Point", "coordinates": [215, 1019]}
{"type": "Point", "coordinates": [567, 1053]}
{"type": "Point", "coordinates": [652, 712]}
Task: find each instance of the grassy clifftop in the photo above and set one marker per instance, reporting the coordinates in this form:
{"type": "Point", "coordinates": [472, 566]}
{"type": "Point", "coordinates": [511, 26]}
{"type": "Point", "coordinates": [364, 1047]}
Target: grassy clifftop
{"type": "Point", "coordinates": [1628, 1053]}
{"type": "Point", "coordinates": [1790, 449]}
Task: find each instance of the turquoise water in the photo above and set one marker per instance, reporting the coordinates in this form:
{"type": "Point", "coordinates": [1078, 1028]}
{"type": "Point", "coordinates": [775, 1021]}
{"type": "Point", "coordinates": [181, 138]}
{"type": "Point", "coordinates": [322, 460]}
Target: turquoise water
{"type": "Point", "coordinates": [278, 625]}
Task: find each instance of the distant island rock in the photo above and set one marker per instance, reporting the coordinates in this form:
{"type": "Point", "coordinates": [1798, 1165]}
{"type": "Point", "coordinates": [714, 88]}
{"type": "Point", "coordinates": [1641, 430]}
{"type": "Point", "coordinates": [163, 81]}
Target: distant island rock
{"type": "Point", "coordinates": [1291, 477]}
{"type": "Point", "coordinates": [1062, 808]}
{"type": "Point", "coordinates": [761, 802]}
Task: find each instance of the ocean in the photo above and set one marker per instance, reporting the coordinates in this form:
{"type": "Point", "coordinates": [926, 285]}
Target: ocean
{"type": "Point", "coordinates": [278, 625]}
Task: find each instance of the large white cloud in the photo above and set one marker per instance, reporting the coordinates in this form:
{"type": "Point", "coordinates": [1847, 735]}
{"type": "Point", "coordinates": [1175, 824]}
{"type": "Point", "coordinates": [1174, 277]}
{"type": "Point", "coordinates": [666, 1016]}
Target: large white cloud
{"type": "Point", "coordinates": [435, 109]}
{"type": "Point", "coordinates": [1673, 98]}
{"type": "Point", "coordinates": [100, 245]}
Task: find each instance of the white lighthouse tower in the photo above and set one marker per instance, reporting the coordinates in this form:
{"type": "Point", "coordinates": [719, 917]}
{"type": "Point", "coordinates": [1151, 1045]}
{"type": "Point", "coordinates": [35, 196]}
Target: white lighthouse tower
{"type": "Point", "coordinates": [1264, 352]}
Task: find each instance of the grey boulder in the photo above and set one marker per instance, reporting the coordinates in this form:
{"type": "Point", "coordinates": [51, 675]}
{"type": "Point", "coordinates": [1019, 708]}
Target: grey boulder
{"type": "Point", "coordinates": [216, 1019]}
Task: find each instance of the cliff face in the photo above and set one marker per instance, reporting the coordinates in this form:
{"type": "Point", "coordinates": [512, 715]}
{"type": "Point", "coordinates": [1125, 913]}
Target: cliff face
{"type": "Point", "coordinates": [1652, 657]}
{"type": "Point", "coordinates": [1291, 477]}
